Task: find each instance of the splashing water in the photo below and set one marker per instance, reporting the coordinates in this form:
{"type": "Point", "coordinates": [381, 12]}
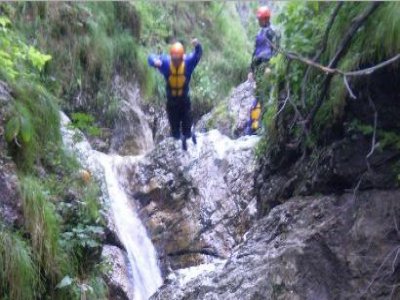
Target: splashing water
{"type": "Point", "coordinates": [142, 256]}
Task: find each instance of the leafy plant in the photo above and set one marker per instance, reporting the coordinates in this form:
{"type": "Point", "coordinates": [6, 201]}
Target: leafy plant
{"type": "Point", "coordinates": [84, 122]}
{"type": "Point", "coordinates": [19, 127]}
{"type": "Point", "coordinates": [19, 272]}
{"type": "Point", "coordinates": [37, 58]}
{"type": "Point", "coordinates": [42, 224]}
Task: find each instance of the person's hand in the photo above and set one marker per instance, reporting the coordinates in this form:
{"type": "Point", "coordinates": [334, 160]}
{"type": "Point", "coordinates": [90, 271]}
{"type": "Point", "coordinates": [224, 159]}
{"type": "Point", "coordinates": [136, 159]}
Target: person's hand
{"type": "Point", "coordinates": [157, 62]}
{"type": "Point", "coordinates": [250, 76]}
{"type": "Point", "coordinates": [195, 42]}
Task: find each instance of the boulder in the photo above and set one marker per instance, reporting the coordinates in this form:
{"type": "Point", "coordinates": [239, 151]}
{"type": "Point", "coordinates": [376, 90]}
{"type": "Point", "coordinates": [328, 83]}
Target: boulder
{"type": "Point", "coordinates": [117, 275]}
{"type": "Point", "coordinates": [231, 116]}
{"type": "Point", "coordinates": [311, 248]}
{"type": "Point", "coordinates": [197, 204]}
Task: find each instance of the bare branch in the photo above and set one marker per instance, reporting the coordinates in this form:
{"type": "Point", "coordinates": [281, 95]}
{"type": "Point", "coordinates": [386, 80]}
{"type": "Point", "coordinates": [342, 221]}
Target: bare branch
{"type": "Point", "coordinates": [346, 83]}
{"type": "Point", "coordinates": [344, 45]}
{"type": "Point", "coordinates": [16, 142]}
{"type": "Point", "coordinates": [369, 71]}
{"type": "Point", "coordinates": [373, 142]}
{"type": "Point", "coordinates": [331, 71]}
{"type": "Point", "coordinates": [286, 99]}
{"type": "Point", "coordinates": [328, 29]}
{"type": "Point", "coordinates": [356, 24]}
{"type": "Point", "coordinates": [357, 187]}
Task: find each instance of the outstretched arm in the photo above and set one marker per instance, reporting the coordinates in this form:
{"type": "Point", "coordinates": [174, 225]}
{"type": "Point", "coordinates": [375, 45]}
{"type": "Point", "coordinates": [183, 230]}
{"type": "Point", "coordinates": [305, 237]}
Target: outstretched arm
{"type": "Point", "coordinates": [194, 57]}
{"type": "Point", "coordinates": [159, 62]}
{"type": "Point", "coordinates": [154, 61]}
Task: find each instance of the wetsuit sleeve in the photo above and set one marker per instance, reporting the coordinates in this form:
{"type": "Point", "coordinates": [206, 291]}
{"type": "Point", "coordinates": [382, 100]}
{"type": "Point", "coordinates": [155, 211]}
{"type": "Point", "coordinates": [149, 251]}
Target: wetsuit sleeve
{"type": "Point", "coordinates": [272, 37]}
{"type": "Point", "coordinates": [164, 63]}
{"type": "Point", "coordinates": [151, 59]}
{"type": "Point", "coordinates": [276, 41]}
{"type": "Point", "coordinates": [252, 64]}
{"type": "Point", "coordinates": [193, 58]}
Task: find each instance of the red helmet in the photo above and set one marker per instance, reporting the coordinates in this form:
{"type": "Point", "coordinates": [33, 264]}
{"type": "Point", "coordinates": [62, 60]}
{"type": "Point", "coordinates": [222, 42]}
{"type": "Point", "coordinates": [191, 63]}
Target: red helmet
{"type": "Point", "coordinates": [177, 50]}
{"type": "Point", "coordinates": [263, 13]}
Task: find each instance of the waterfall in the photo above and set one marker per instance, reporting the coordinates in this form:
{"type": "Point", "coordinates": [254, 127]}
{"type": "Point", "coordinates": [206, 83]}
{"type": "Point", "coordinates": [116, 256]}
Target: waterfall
{"type": "Point", "coordinates": [146, 275]}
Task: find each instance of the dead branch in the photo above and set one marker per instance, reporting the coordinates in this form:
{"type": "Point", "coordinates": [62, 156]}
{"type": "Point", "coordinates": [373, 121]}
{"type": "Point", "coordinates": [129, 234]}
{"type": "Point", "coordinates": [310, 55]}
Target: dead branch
{"type": "Point", "coordinates": [357, 187]}
{"type": "Point", "coordinates": [346, 83]}
{"type": "Point", "coordinates": [17, 142]}
{"type": "Point", "coordinates": [342, 49]}
{"type": "Point", "coordinates": [369, 71]}
{"type": "Point", "coordinates": [287, 88]}
{"type": "Point", "coordinates": [373, 141]}
{"type": "Point", "coordinates": [286, 99]}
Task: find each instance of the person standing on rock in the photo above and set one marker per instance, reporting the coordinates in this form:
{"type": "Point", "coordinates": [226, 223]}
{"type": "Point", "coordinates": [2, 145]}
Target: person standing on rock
{"type": "Point", "coordinates": [177, 69]}
{"type": "Point", "coordinates": [263, 51]}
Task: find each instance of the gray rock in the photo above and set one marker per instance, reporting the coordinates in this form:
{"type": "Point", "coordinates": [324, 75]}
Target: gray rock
{"type": "Point", "coordinates": [335, 168]}
{"type": "Point", "coordinates": [117, 276]}
{"type": "Point", "coordinates": [327, 247]}
{"type": "Point", "coordinates": [231, 116]}
{"type": "Point", "coordinates": [159, 123]}
{"type": "Point", "coordinates": [132, 134]}
{"type": "Point", "coordinates": [10, 201]}
{"type": "Point", "coordinates": [112, 237]}
{"type": "Point", "coordinates": [197, 204]}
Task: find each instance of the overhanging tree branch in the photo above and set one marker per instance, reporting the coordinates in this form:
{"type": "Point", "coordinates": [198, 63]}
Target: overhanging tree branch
{"type": "Point", "coordinates": [342, 49]}
{"type": "Point", "coordinates": [328, 70]}
{"type": "Point", "coordinates": [331, 68]}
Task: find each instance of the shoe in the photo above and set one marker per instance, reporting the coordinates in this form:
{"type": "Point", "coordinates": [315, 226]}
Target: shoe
{"type": "Point", "coordinates": [184, 144]}
{"type": "Point", "coordinates": [194, 139]}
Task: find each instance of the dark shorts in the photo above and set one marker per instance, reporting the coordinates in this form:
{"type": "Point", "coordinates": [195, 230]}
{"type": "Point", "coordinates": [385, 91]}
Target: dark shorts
{"type": "Point", "coordinates": [179, 116]}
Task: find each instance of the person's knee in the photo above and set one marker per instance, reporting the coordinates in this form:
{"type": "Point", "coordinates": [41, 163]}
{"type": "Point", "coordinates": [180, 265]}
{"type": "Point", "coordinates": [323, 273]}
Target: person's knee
{"type": "Point", "coordinates": [175, 135]}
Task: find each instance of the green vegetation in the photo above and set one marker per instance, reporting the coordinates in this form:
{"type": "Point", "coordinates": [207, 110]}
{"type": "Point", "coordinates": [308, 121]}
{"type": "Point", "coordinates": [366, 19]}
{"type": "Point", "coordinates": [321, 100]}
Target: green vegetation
{"type": "Point", "coordinates": [226, 48]}
{"type": "Point", "coordinates": [42, 225]}
{"type": "Point", "coordinates": [95, 42]}
{"type": "Point", "coordinates": [67, 55]}
{"type": "Point", "coordinates": [304, 25]}
{"type": "Point", "coordinates": [19, 273]}
{"type": "Point", "coordinates": [85, 122]}
{"type": "Point", "coordinates": [35, 261]}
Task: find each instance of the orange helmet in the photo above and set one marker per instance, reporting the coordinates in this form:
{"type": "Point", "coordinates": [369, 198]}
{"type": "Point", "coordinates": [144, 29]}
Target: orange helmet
{"type": "Point", "coordinates": [177, 50]}
{"type": "Point", "coordinates": [263, 13]}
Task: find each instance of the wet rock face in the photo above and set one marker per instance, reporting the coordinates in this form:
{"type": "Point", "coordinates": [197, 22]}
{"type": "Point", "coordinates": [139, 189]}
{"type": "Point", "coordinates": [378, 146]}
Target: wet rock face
{"type": "Point", "coordinates": [132, 134]}
{"type": "Point", "coordinates": [326, 247]}
{"type": "Point", "coordinates": [342, 156]}
{"type": "Point", "coordinates": [117, 277]}
{"type": "Point", "coordinates": [231, 117]}
{"type": "Point", "coordinates": [10, 201]}
{"type": "Point", "coordinates": [196, 205]}
{"type": "Point", "coordinates": [333, 169]}
{"type": "Point", "coordinates": [158, 121]}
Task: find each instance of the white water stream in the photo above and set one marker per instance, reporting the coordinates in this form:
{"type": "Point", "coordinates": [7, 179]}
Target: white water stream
{"type": "Point", "coordinates": [146, 275]}
{"type": "Point", "coordinates": [108, 169]}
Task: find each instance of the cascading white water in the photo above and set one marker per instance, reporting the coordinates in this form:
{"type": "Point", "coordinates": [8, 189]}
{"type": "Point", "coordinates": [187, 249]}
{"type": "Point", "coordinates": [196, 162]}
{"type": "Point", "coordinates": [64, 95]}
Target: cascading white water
{"type": "Point", "coordinates": [141, 252]}
{"type": "Point", "coordinates": [146, 275]}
